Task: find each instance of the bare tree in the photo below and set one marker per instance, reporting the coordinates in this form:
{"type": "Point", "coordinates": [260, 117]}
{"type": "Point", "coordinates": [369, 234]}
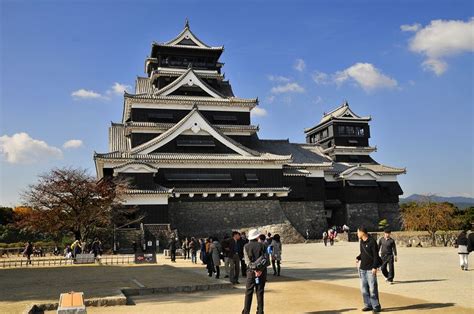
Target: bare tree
{"type": "Point", "coordinates": [428, 216]}
{"type": "Point", "coordinates": [70, 200]}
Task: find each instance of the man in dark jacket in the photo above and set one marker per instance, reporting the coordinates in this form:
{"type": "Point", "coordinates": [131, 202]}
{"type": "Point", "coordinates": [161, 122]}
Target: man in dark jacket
{"type": "Point", "coordinates": [255, 279]}
{"type": "Point", "coordinates": [234, 250]}
{"type": "Point", "coordinates": [28, 251]}
{"type": "Point", "coordinates": [173, 246]}
{"type": "Point", "coordinates": [388, 251]}
{"type": "Point", "coordinates": [368, 262]}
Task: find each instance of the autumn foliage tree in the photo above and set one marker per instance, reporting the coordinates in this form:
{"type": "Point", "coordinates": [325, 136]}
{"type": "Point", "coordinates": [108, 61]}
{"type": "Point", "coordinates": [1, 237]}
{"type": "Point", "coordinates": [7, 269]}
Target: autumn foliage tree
{"type": "Point", "coordinates": [69, 200]}
{"type": "Point", "coordinates": [428, 216]}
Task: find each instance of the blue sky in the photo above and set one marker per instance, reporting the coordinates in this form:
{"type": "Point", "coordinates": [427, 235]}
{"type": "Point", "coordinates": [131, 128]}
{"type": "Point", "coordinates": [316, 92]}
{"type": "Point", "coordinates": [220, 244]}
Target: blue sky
{"type": "Point", "coordinates": [408, 64]}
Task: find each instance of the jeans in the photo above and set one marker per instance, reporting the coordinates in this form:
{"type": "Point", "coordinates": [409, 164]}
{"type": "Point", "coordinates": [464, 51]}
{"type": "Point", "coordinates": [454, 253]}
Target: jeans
{"type": "Point", "coordinates": [388, 260]}
{"type": "Point", "coordinates": [369, 288]}
{"type": "Point", "coordinates": [193, 257]}
{"type": "Point", "coordinates": [250, 286]}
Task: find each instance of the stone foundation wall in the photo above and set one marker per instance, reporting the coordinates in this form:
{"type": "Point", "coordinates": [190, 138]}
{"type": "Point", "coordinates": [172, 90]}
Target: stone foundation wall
{"type": "Point", "coordinates": [203, 219]}
{"type": "Point", "coordinates": [391, 212]}
{"type": "Point", "coordinates": [363, 214]}
{"type": "Point", "coordinates": [306, 216]}
{"type": "Point", "coordinates": [415, 238]}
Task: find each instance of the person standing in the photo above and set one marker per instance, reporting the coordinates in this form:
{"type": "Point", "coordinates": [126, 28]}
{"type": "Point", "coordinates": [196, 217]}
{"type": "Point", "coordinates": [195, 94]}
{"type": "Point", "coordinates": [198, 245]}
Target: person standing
{"type": "Point", "coordinates": [193, 250]}
{"type": "Point", "coordinates": [96, 248]}
{"type": "Point", "coordinates": [368, 261]}
{"type": "Point", "coordinates": [256, 277]}
{"type": "Point", "coordinates": [234, 257]}
{"type": "Point", "coordinates": [202, 254]}
{"type": "Point", "coordinates": [388, 252]}
{"type": "Point", "coordinates": [243, 266]}
{"type": "Point", "coordinates": [172, 247]}
{"type": "Point", "coordinates": [462, 244]}
{"type": "Point", "coordinates": [216, 251]}
{"type": "Point", "coordinates": [28, 251]}
{"type": "Point", "coordinates": [276, 254]}
{"type": "Point", "coordinates": [225, 244]}
{"type": "Point", "coordinates": [325, 238]}
{"type": "Point", "coordinates": [184, 247]}
{"type": "Point", "coordinates": [332, 236]}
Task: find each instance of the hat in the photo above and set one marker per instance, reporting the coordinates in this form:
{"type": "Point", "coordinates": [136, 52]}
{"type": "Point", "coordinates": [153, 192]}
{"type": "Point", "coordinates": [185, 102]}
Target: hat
{"type": "Point", "coordinates": [253, 234]}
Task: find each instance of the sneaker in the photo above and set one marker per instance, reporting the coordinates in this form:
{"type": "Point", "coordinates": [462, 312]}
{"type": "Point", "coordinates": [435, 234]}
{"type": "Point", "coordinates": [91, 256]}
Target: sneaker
{"type": "Point", "coordinates": [377, 309]}
{"type": "Point", "coordinates": [366, 309]}
{"type": "Point", "coordinates": [462, 267]}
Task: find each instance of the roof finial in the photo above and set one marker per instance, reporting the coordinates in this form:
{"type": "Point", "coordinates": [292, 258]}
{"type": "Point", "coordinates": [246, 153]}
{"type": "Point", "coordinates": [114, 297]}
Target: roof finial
{"type": "Point", "coordinates": [346, 103]}
{"type": "Point", "coordinates": [186, 23]}
{"type": "Point", "coordinates": [190, 65]}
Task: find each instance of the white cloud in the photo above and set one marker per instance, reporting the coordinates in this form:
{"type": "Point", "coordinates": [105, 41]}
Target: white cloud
{"type": "Point", "coordinates": [410, 28]}
{"type": "Point", "coordinates": [20, 148]}
{"type": "Point", "coordinates": [287, 88]}
{"type": "Point", "coordinates": [441, 39]}
{"type": "Point", "coordinates": [119, 89]}
{"type": "Point", "coordinates": [278, 78]}
{"type": "Point", "coordinates": [115, 89]}
{"type": "Point", "coordinates": [259, 112]}
{"type": "Point", "coordinates": [85, 94]}
{"type": "Point", "coordinates": [320, 78]}
{"type": "Point", "coordinates": [318, 100]}
{"type": "Point", "coordinates": [300, 65]}
{"type": "Point", "coordinates": [364, 75]}
{"type": "Point", "coordinates": [72, 144]}
{"type": "Point", "coordinates": [270, 99]}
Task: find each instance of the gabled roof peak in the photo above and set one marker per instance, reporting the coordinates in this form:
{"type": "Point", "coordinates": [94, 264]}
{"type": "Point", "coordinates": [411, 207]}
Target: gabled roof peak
{"type": "Point", "coordinates": [187, 39]}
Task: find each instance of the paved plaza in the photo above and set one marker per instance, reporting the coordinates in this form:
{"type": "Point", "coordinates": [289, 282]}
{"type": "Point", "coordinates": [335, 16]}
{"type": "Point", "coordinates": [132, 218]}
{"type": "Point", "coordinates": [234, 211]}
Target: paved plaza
{"type": "Point", "coordinates": [315, 279]}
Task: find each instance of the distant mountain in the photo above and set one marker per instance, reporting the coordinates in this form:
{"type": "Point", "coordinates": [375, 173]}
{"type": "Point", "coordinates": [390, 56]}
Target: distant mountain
{"type": "Point", "coordinates": [459, 201]}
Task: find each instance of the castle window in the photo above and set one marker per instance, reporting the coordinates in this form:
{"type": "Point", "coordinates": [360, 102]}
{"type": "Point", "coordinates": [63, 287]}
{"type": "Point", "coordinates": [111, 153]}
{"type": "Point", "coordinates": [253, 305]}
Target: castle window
{"type": "Point", "coordinates": [158, 117]}
{"type": "Point", "coordinates": [359, 131]}
{"type": "Point", "coordinates": [251, 177]}
{"type": "Point", "coordinates": [194, 177]}
{"type": "Point", "coordinates": [195, 143]}
{"type": "Point", "coordinates": [224, 118]}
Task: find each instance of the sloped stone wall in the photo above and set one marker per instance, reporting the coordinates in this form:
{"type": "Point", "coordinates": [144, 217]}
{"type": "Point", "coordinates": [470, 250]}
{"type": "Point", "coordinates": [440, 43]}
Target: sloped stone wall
{"type": "Point", "coordinates": [363, 214]}
{"type": "Point", "coordinates": [391, 212]}
{"type": "Point", "coordinates": [306, 216]}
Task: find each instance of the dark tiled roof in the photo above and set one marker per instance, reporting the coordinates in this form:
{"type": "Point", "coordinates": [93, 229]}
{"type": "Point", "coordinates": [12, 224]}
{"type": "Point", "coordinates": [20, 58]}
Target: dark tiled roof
{"type": "Point", "coordinates": [301, 153]}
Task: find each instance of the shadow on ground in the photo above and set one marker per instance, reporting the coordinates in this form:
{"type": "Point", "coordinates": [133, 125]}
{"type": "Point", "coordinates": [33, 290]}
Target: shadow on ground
{"type": "Point", "coordinates": [417, 281]}
{"type": "Point", "coordinates": [332, 311]}
{"type": "Point", "coordinates": [422, 306]}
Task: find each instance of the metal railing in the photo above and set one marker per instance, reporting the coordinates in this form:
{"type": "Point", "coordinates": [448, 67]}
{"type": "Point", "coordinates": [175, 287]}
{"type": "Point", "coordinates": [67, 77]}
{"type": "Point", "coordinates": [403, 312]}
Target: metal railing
{"type": "Point", "coordinates": [51, 262]}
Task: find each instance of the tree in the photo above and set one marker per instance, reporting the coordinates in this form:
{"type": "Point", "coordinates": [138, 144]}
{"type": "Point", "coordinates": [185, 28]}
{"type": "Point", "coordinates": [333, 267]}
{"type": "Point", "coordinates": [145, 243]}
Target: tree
{"type": "Point", "coordinates": [428, 216]}
{"type": "Point", "coordinates": [70, 200]}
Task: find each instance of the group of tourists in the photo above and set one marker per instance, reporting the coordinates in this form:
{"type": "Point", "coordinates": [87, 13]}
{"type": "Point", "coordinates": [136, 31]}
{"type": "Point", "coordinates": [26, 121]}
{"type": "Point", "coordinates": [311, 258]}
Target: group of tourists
{"type": "Point", "coordinates": [237, 256]}
{"type": "Point", "coordinates": [70, 251]}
